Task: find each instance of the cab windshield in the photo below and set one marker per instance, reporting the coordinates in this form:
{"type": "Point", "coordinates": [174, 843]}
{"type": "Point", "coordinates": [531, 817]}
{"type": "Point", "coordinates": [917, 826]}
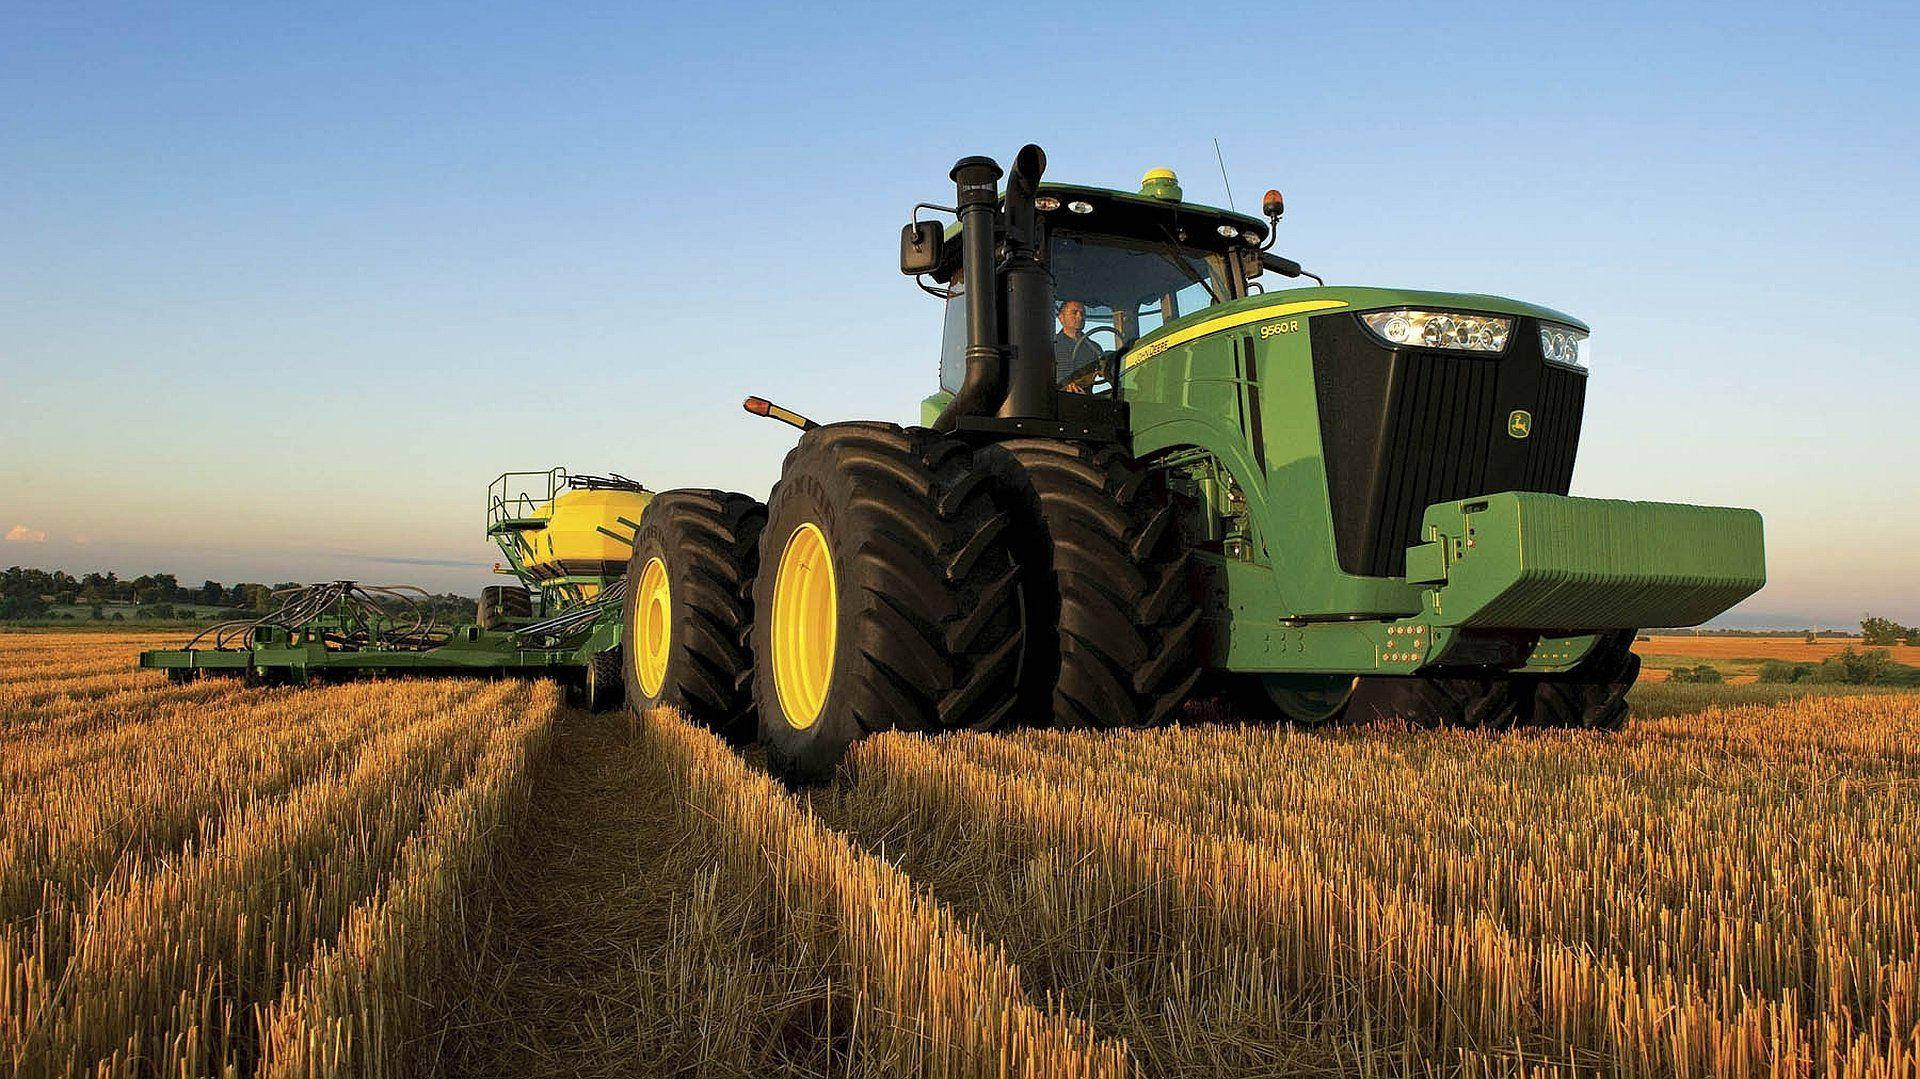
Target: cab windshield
{"type": "Point", "coordinates": [1108, 292]}
{"type": "Point", "coordinates": [1134, 286]}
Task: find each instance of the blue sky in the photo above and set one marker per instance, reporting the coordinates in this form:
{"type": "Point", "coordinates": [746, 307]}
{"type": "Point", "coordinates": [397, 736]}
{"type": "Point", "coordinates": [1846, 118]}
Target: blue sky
{"type": "Point", "coordinates": [284, 288]}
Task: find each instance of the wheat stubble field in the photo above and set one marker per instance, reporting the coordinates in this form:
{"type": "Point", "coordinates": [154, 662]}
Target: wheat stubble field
{"type": "Point", "coordinates": [467, 878]}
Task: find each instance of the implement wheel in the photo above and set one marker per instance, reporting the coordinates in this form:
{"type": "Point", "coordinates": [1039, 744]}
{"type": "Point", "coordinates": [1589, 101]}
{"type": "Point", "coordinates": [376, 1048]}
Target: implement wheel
{"type": "Point", "coordinates": [688, 607]}
{"type": "Point", "coordinates": [1110, 608]}
{"type": "Point", "coordinates": [886, 596]}
{"type": "Point", "coordinates": [499, 602]}
{"type": "Point", "coordinates": [600, 682]}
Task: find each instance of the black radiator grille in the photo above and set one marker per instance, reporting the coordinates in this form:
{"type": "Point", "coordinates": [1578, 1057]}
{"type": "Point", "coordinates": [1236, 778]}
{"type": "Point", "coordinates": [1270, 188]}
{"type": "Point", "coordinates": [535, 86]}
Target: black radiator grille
{"type": "Point", "coordinates": [1436, 443]}
{"type": "Point", "coordinates": [1403, 429]}
{"type": "Point", "coordinates": [1556, 422]}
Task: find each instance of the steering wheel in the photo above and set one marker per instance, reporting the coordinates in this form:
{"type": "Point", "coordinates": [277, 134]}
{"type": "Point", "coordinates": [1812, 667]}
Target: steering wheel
{"type": "Point", "coordinates": [1079, 369]}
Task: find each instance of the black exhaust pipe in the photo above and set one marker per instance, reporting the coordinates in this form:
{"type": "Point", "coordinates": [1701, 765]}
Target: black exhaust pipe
{"type": "Point", "coordinates": [984, 387]}
{"type": "Point", "coordinates": [1030, 364]}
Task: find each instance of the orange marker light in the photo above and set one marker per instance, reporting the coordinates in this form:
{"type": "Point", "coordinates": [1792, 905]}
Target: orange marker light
{"type": "Point", "coordinates": [1273, 205]}
{"type": "Point", "coordinates": [760, 406]}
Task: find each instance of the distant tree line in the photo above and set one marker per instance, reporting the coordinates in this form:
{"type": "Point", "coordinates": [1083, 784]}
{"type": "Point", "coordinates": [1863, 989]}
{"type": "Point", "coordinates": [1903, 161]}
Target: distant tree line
{"type": "Point", "coordinates": [1873, 667]}
{"type": "Point", "coordinates": [1885, 631]}
{"type": "Point", "coordinates": [32, 594]}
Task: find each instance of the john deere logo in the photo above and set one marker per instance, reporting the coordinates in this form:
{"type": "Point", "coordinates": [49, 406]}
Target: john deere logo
{"type": "Point", "coordinates": [1520, 423]}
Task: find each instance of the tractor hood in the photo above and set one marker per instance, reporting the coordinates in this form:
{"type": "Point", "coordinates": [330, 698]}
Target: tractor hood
{"type": "Point", "coordinates": [1300, 302]}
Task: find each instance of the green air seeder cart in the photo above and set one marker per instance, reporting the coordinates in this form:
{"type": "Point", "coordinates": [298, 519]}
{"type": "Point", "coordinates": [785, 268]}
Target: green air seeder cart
{"type": "Point", "coordinates": [566, 538]}
{"type": "Point", "coordinates": [1150, 470]}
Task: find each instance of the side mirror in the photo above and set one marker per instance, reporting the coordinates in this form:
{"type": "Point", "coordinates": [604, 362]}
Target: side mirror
{"type": "Point", "coordinates": [920, 247]}
{"type": "Point", "coordinates": [1285, 267]}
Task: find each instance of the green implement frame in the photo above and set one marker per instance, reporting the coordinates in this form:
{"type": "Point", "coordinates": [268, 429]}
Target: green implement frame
{"type": "Point", "coordinates": [344, 629]}
{"type": "Point", "coordinates": [276, 655]}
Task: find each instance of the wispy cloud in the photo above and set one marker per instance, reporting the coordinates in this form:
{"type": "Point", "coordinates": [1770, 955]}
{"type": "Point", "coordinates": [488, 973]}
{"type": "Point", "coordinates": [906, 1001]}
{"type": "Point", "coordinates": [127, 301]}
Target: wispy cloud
{"type": "Point", "coordinates": [23, 534]}
{"type": "Point", "coordinates": [82, 539]}
{"type": "Point", "coordinates": [454, 563]}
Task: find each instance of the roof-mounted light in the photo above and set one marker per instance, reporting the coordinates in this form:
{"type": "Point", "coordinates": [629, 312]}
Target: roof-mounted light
{"type": "Point", "coordinates": [1046, 204]}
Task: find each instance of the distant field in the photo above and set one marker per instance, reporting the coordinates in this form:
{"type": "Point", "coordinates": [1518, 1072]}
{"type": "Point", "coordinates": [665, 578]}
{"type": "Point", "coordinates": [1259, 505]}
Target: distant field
{"type": "Point", "coordinates": [176, 630]}
{"type": "Point", "coordinates": [462, 878]}
{"type": "Point", "coordinates": [1739, 658]}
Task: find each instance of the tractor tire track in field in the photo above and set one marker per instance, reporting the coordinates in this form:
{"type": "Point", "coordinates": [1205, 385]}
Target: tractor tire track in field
{"type": "Point", "coordinates": [674, 911]}
{"type": "Point", "coordinates": [597, 949]}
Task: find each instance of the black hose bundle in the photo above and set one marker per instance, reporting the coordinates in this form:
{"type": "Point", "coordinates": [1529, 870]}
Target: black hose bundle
{"type": "Point", "coordinates": [346, 615]}
{"type": "Point", "coordinates": [579, 618]}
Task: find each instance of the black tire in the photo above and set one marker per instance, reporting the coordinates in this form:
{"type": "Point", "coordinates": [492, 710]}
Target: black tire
{"type": "Point", "coordinates": [1493, 703]}
{"type": "Point", "coordinates": [924, 600]}
{"type": "Point", "coordinates": [1299, 700]}
{"type": "Point", "coordinates": [499, 602]}
{"type": "Point", "coordinates": [1592, 696]}
{"type": "Point", "coordinates": [600, 682]}
{"type": "Point", "coordinates": [180, 676]}
{"type": "Point", "coordinates": [1110, 608]}
{"type": "Point", "coordinates": [708, 544]}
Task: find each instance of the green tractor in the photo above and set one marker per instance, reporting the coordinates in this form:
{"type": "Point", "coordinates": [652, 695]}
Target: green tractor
{"type": "Point", "coordinates": [1144, 471]}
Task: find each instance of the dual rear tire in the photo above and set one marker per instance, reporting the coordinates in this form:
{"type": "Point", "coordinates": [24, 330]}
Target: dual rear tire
{"type": "Point", "coordinates": [886, 596]}
{"type": "Point", "coordinates": [1110, 610]}
{"type": "Point", "coordinates": [874, 591]}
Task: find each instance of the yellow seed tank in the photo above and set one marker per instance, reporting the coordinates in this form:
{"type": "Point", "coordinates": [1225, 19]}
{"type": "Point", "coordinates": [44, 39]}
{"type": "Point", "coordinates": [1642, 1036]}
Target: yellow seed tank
{"type": "Point", "coordinates": [574, 539]}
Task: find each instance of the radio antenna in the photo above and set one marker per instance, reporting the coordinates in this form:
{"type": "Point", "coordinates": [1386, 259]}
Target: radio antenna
{"type": "Point", "coordinates": [1217, 156]}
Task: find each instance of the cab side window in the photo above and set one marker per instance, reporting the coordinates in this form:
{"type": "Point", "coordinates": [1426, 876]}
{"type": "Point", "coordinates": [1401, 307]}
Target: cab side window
{"type": "Point", "coordinates": [953, 340]}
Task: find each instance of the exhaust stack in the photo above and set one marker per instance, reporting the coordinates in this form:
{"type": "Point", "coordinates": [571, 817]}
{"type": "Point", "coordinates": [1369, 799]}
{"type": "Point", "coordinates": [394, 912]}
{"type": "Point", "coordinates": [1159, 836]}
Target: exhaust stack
{"type": "Point", "coordinates": [984, 386]}
{"type": "Point", "coordinates": [1030, 366]}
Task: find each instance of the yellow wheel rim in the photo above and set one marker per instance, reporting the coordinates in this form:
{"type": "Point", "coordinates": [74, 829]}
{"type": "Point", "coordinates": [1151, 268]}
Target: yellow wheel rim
{"type": "Point", "coordinates": [805, 625]}
{"type": "Point", "coordinates": [652, 627]}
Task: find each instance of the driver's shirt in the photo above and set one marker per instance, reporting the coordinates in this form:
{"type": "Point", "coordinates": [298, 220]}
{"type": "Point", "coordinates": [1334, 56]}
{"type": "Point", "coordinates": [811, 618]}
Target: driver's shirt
{"type": "Point", "coordinates": [1066, 361]}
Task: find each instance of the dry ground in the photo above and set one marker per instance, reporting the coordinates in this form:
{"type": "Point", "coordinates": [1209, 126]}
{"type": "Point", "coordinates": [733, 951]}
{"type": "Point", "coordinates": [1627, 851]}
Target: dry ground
{"type": "Point", "coordinates": [459, 878]}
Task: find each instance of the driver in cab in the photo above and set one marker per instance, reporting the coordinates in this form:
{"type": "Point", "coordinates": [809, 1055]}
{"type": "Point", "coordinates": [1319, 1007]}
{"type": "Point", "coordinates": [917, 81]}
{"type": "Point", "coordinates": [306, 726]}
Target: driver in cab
{"type": "Point", "coordinates": [1077, 360]}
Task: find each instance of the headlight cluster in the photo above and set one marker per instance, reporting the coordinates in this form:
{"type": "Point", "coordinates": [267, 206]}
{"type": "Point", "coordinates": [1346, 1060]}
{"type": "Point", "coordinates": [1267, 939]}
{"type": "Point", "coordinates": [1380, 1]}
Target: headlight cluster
{"type": "Point", "coordinates": [1440, 329]}
{"type": "Point", "coordinates": [1563, 344]}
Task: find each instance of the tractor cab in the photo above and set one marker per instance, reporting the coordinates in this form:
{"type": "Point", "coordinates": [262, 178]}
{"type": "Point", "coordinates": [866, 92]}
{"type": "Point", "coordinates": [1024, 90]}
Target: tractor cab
{"type": "Point", "coordinates": [1114, 267]}
{"type": "Point", "coordinates": [1121, 266]}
